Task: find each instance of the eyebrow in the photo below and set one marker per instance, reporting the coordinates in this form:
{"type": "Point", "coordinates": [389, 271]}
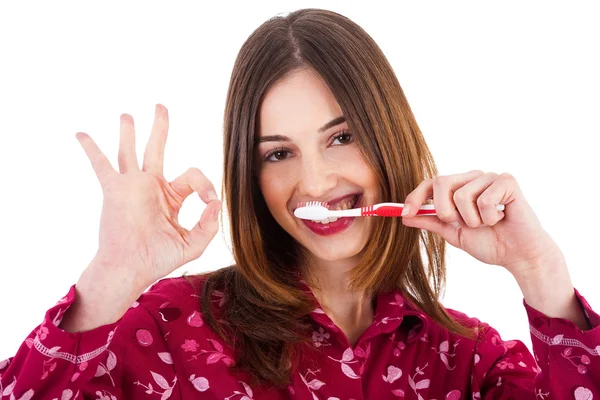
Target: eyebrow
{"type": "Point", "coordinates": [281, 138]}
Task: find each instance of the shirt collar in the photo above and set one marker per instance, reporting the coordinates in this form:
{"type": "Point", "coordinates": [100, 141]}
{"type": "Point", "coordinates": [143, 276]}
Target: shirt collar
{"type": "Point", "coordinates": [392, 310]}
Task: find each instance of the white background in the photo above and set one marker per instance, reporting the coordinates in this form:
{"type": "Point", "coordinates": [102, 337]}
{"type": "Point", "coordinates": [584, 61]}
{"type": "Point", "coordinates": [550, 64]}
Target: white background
{"type": "Point", "coordinates": [509, 87]}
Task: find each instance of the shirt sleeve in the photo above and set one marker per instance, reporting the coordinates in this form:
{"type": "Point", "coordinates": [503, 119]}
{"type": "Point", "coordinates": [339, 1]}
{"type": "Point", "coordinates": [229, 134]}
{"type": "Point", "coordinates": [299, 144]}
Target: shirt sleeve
{"type": "Point", "coordinates": [52, 363]}
{"type": "Point", "coordinates": [566, 364]}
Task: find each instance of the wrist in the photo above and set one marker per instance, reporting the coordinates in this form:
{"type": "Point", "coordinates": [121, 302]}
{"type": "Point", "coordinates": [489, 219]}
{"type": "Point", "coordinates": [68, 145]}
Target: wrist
{"type": "Point", "coordinates": [547, 287]}
{"type": "Point", "coordinates": [101, 298]}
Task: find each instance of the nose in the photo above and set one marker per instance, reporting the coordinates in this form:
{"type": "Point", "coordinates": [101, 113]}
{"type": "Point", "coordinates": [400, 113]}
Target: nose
{"type": "Point", "coordinates": [318, 176]}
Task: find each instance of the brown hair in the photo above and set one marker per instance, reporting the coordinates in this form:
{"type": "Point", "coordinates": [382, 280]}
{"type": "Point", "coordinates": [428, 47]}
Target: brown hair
{"type": "Point", "coordinates": [266, 316]}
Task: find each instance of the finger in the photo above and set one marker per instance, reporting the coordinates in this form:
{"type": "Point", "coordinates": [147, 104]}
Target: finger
{"type": "Point", "coordinates": [193, 180]}
{"type": "Point", "coordinates": [467, 196]}
{"type": "Point", "coordinates": [155, 148]}
{"type": "Point", "coordinates": [441, 190]}
{"type": "Point", "coordinates": [205, 230]}
{"type": "Point", "coordinates": [127, 155]}
{"type": "Point", "coordinates": [447, 231]}
{"type": "Point", "coordinates": [497, 193]}
{"type": "Point", "coordinates": [100, 163]}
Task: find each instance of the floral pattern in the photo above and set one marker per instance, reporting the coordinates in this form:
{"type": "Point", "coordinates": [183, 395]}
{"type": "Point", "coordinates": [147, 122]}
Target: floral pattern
{"type": "Point", "coordinates": [163, 350]}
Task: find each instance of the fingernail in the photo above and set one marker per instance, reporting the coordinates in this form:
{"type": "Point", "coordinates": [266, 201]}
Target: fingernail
{"type": "Point", "coordinates": [216, 213]}
{"type": "Point", "coordinates": [406, 209]}
{"type": "Point", "coordinates": [212, 195]}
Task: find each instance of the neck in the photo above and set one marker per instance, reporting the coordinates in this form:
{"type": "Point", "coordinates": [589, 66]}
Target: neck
{"type": "Point", "coordinates": [351, 311]}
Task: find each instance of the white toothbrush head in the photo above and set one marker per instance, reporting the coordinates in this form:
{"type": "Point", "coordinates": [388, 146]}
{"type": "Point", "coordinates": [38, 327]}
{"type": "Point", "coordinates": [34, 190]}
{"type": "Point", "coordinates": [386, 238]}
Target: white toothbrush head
{"type": "Point", "coordinates": [314, 210]}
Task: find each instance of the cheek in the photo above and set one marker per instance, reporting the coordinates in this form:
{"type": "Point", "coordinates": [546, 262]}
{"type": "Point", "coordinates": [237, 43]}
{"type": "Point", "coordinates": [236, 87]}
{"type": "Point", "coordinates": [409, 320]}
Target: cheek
{"type": "Point", "coordinates": [276, 187]}
{"type": "Point", "coordinates": [357, 168]}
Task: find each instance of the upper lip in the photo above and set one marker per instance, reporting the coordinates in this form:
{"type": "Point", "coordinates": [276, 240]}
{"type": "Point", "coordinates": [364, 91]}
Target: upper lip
{"type": "Point", "coordinates": [337, 199]}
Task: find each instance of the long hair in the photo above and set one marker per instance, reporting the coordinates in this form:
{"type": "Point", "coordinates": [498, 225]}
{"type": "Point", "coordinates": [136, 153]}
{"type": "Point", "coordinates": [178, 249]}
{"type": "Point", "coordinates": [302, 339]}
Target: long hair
{"type": "Point", "coordinates": [265, 317]}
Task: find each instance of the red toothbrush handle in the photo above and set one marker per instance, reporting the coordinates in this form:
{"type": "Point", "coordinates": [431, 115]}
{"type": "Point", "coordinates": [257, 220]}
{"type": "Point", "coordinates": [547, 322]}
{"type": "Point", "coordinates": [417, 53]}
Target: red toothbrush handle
{"type": "Point", "coordinates": [390, 211]}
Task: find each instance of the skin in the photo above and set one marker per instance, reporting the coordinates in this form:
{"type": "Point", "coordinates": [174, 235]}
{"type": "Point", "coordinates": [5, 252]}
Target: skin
{"type": "Point", "coordinates": [314, 166]}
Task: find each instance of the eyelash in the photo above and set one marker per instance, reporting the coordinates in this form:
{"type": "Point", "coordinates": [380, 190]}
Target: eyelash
{"type": "Point", "coordinates": [285, 149]}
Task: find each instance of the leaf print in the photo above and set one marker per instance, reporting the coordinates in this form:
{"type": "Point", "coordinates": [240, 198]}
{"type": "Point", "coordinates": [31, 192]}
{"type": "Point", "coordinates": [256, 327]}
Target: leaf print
{"type": "Point", "coordinates": [582, 393]}
{"type": "Point", "coordinates": [398, 392]}
{"type": "Point", "coordinates": [100, 371]}
{"type": "Point", "coordinates": [214, 358]}
{"type": "Point", "coordinates": [166, 357]}
{"type": "Point", "coordinates": [247, 388]}
{"type": "Point", "coordinates": [348, 371]}
{"type": "Point", "coordinates": [160, 380]}
{"type": "Point", "coordinates": [66, 394]}
{"type": "Point", "coordinates": [393, 374]}
{"type": "Point", "coordinates": [360, 352]}
{"type": "Point", "coordinates": [216, 345]}
{"type": "Point", "coordinates": [444, 346]}
{"type": "Point", "coordinates": [348, 355]}
{"type": "Point", "coordinates": [454, 395]}
{"type": "Point", "coordinates": [111, 361]}
{"type": "Point", "coordinates": [166, 394]}
{"type": "Point", "coordinates": [424, 384]}
{"type": "Point", "coordinates": [9, 389]}
{"type": "Point", "coordinates": [200, 383]}
{"type": "Point", "coordinates": [315, 384]}
{"type": "Point", "coordinates": [26, 396]}
{"type": "Point", "coordinates": [445, 361]}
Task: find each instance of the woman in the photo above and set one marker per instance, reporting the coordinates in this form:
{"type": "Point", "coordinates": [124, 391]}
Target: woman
{"type": "Point", "coordinates": [330, 310]}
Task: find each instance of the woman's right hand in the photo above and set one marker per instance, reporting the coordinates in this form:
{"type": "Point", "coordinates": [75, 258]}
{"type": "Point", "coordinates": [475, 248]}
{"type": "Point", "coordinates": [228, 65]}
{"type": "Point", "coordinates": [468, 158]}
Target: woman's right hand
{"type": "Point", "coordinates": [140, 238]}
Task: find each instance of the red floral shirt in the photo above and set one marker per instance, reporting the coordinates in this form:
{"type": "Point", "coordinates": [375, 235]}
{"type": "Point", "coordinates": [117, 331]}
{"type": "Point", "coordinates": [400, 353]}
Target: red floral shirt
{"type": "Point", "coordinates": [162, 349]}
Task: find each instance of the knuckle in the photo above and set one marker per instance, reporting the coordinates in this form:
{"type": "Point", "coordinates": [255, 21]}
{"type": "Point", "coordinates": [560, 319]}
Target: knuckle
{"type": "Point", "coordinates": [440, 181]}
{"type": "Point", "coordinates": [472, 224]}
{"type": "Point", "coordinates": [459, 196]}
{"type": "Point", "coordinates": [484, 202]}
{"type": "Point", "coordinates": [445, 215]}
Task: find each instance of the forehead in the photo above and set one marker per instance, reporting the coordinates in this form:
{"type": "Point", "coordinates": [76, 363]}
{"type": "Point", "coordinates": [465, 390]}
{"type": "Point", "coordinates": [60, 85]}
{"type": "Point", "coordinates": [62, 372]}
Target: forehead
{"type": "Point", "coordinates": [300, 102]}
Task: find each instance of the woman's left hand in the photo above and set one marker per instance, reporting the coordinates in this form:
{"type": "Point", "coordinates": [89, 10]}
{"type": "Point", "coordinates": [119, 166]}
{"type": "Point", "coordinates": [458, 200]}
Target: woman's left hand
{"type": "Point", "coordinates": [513, 238]}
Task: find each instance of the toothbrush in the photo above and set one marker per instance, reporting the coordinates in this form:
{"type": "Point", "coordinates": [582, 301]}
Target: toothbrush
{"type": "Point", "coordinates": [317, 210]}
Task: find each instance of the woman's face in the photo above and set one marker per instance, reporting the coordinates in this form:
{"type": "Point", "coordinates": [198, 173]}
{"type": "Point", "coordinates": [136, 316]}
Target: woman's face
{"type": "Point", "coordinates": [306, 153]}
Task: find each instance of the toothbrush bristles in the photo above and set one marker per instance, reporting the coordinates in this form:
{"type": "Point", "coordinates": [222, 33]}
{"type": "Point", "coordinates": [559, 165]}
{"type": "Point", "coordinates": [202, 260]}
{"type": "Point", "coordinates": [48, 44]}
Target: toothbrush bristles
{"type": "Point", "coordinates": [313, 210]}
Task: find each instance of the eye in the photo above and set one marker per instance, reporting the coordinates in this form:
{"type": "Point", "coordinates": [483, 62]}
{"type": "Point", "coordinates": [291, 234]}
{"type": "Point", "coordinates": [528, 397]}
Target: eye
{"type": "Point", "coordinates": [281, 153]}
{"type": "Point", "coordinates": [345, 137]}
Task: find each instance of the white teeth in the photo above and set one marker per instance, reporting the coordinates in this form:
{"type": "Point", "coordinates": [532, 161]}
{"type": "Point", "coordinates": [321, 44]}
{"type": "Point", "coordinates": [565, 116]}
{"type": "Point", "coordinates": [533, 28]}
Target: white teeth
{"type": "Point", "coordinates": [327, 220]}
